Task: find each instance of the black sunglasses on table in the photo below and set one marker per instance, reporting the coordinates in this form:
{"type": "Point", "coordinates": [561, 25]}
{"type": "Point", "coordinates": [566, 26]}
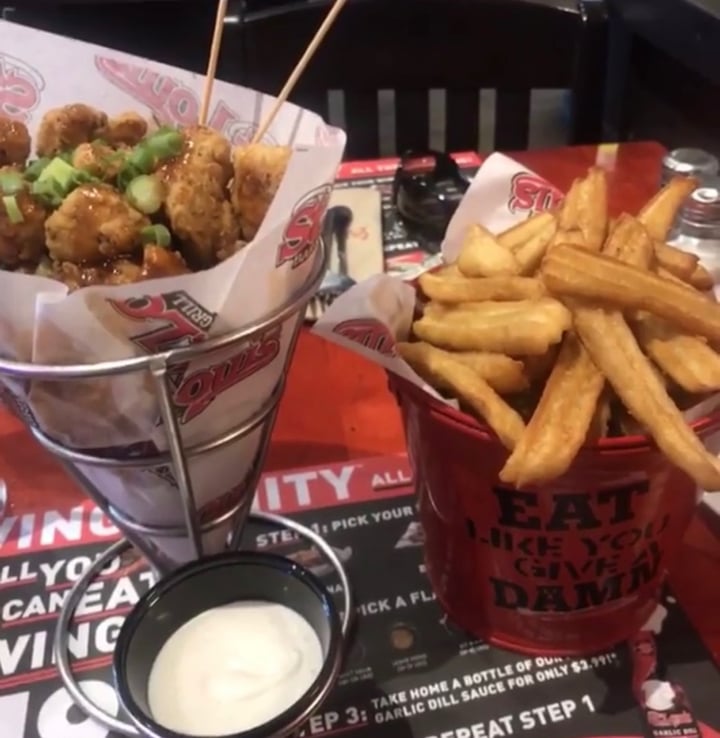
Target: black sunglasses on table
{"type": "Point", "coordinates": [427, 189]}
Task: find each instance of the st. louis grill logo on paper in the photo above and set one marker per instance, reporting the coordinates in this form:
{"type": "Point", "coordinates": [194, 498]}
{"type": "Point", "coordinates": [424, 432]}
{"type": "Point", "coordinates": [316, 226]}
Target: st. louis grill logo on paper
{"type": "Point", "coordinates": [304, 228]}
{"type": "Point", "coordinates": [174, 320]}
{"type": "Point", "coordinates": [532, 194]}
{"type": "Point", "coordinates": [196, 389]}
{"type": "Point", "coordinates": [368, 332]}
{"type": "Point", "coordinates": [21, 87]}
{"type": "Point", "coordinates": [236, 129]}
{"type": "Point", "coordinates": [172, 102]}
{"type": "Point", "coordinates": [169, 321]}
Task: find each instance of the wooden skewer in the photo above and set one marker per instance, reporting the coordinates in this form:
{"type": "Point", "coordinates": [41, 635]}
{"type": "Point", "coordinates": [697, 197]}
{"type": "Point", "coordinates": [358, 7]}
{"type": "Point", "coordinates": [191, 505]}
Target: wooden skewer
{"type": "Point", "coordinates": [213, 60]}
{"type": "Point", "coordinates": [299, 68]}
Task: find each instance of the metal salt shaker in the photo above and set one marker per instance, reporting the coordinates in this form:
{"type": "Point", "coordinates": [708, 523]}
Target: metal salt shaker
{"type": "Point", "coordinates": [697, 229]}
{"type": "Point", "coordinates": [689, 163]}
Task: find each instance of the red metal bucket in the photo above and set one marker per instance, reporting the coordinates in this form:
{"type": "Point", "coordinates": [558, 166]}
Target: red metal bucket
{"type": "Point", "coordinates": [567, 569]}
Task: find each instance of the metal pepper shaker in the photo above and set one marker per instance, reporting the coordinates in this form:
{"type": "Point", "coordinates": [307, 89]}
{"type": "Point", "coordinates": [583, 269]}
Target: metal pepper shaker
{"type": "Point", "coordinates": [689, 163]}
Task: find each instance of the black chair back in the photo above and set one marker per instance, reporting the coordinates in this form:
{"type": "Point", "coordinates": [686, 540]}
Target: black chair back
{"type": "Point", "coordinates": [414, 46]}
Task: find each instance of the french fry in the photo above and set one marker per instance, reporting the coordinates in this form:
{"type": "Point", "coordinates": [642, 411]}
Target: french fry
{"type": "Point", "coordinates": [585, 211]}
{"type": "Point", "coordinates": [573, 272]}
{"type": "Point", "coordinates": [453, 289]}
{"type": "Point", "coordinates": [569, 216]}
{"type": "Point", "coordinates": [687, 360]}
{"type": "Point", "coordinates": [622, 340]}
{"type": "Point", "coordinates": [482, 255]}
{"type": "Point", "coordinates": [503, 374]}
{"type": "Point", "coordinates": [515, 329]}
{"type": "Point", "coordinates": [630, 243]}
{"type": "Point", "coordinates": [593, 203]}
{"type": "Point", "coordinates": [448, 270]}
{"type": "Point", "coordinates": [441, 370]}
{"type": "Point", "coordinates": [665, 274]}
{"type": "Point", "coordinates": [569, 403]}
{"type": "Point", "coordinates": [677, 262]}
{"type": "Point", "coordinates": [520, 234]}
{"type": "Point", "coordinates": [573, 237]}
{"type": "Point", "coordinates": [530, 254]}
{"type": "Point", "coordinates": [659, 214]}
{"type": "Point", "coordinates": [614, 350]}
{"type": "Point", "coordinates": [538, 368]}
{"type": "Point", "coordinates": [561, 421]}
{"type": "Point", "coordinates": [701, 279]}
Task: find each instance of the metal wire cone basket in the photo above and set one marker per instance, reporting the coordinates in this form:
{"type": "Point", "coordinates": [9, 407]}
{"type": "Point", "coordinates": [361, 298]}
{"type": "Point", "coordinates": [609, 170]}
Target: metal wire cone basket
{"type": "Point", "coordinates": [178, 457]}
{"type": "Point", "coordinates": [230, 518]}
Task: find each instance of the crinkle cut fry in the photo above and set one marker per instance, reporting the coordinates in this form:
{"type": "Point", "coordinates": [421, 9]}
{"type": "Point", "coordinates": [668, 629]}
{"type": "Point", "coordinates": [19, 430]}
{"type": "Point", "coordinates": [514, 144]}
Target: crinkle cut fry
{"type": "Point", "coordinates": [437, 368]}
{"type": "Point", "coordinates": [569, 404]}
{"type": "Point", "coordinates": [613, 348]}
{"type": "Point", "coordinates": [577, 273]}
{"type": "Point", "coordinates": [560, 423]}
{"type": "Point", "coordinates": [686, 359]}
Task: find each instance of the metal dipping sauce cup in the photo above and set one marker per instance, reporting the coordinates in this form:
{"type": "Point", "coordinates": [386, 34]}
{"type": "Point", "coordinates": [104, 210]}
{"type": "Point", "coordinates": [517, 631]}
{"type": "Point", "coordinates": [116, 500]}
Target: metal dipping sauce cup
{"type": "Point", "coordinates": [213, 582]}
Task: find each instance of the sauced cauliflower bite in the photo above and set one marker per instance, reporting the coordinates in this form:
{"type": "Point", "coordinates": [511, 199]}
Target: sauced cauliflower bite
{"type": "Point", "coordinates": [258, 172]}
{"type": "Point", "coordinates": [157, 262]}
{"type": "Point", "coordinates": [196, 204]}
{"type": "Point", "coordinates": [98, 159]}
{"type": "Point", "coordinates": [23, 241]}
{"type": "Point", "coordinates": [126, 129]}
{"type": "Point", "coordinates": [94, 223]}
{"type": "Point", "coordinates": [86, 232]}
{"type": "Point", "coordinates": [14, 142]}
{"type": "Point", "coordinates": [204, 146]}
{"type": "Point", "coordinates": [67, 127]}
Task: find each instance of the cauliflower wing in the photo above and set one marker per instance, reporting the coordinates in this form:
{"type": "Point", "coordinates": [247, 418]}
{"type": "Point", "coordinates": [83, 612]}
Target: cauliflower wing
{"type": "Point", "coordinates": [258, 172]}
{"type": "Point", "coordinates": [14, 142]}
{"type": "Point", "coordinates": [24, 241]}
{"type": "Point", "coordinates": [126, 129]}
{"type": "Point", "coordinates": [93, 224]}
{"type": "Point", "coordinates": [98, 159]}
{"type": "Point", "coordinates": [196, 205]}
{"type": "Point", "coordinates": [67, 127]}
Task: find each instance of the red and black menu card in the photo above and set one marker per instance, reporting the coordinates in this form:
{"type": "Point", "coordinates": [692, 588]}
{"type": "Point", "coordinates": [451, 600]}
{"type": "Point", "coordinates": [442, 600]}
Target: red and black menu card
{"type": "Point", "coordinates": [408, 672]}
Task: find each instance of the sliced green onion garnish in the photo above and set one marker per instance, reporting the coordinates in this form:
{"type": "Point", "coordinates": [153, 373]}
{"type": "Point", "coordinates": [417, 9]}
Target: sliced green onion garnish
{"type": "Point", "coordinates": [81, 177]}
{"type": "Point", "coordinates": [48, 192]}
{"type": "Point", "coordinates": [35, 168]}
{"type": "Point", "coordinates": [157, 234]}
{"type": "Point", "coordinates": [11, 182]}
{"type": "Point", "coordinates": [126, 175]}
{"type": "Point", "coordinates": [141, 159]}
{"type": "Point", "coordinates": [59, 171]}
{"type": "Point", "coordinates": [13, 209]}
{"type": "Point", "coordinates": [164, 143]}
{"type": "Point", "coordinates": [145, 194]}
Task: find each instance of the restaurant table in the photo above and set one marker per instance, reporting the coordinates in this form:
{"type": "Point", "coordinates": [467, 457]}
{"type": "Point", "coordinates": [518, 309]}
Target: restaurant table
{"type": "Point", "coordinates": [337, 406]}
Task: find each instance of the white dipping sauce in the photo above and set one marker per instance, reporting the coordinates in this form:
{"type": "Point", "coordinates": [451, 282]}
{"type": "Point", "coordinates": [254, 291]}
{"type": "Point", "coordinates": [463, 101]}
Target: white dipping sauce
{"type": "Point", "coordinates": [233, 668]}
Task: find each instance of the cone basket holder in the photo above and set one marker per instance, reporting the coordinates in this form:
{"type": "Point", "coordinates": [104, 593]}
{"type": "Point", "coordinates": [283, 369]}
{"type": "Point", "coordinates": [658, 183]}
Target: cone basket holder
{"type": "Point", "coordinates": [177, 456]}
